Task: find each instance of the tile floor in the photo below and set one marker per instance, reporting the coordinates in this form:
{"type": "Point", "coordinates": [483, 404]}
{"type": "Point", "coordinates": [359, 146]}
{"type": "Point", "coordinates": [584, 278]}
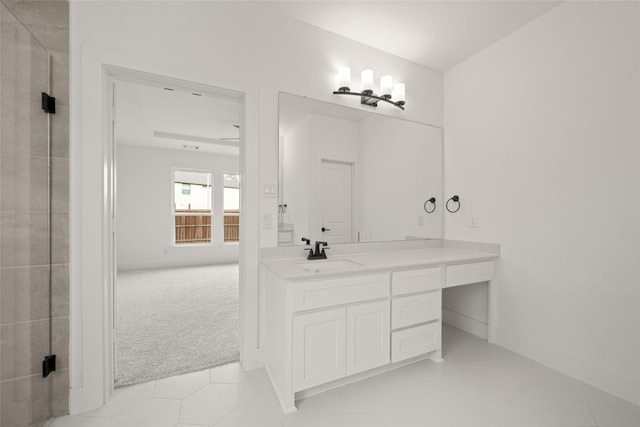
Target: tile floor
{"type": "Point", "coordinates": [478, 385]}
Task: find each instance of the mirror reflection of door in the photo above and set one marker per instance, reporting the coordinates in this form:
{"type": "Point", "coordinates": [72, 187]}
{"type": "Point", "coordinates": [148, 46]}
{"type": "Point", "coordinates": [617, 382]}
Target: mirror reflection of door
{"type": "Point", "coordinates": [336, 202]}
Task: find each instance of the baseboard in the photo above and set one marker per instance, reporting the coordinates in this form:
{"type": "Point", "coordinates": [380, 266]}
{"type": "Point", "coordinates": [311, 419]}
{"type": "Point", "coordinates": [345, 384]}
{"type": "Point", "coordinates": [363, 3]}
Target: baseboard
{"type": "Point", "coordinates": [585, 371]}
{"type": "Point", "coordinates": [467, 324]}
{"type": "Point", "coordinates": [177, 264]}
{"type": "Point", "coordinates": [79, 401]}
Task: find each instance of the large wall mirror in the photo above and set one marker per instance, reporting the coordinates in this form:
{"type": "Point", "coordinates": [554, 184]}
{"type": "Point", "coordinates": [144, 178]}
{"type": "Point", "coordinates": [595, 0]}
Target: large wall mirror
{"type": "Point", "coordinates": [348, 175]}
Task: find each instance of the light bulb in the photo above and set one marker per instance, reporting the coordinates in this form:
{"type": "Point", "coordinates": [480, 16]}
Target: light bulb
{"type": "Point", "coordinates": [386, 84]}
{"type": "Point", "coordinates": [344, 78]}
{"type": "Point", "coordinates": [398, 93]}
{"type": "Point", "coordinates": [367, 80]}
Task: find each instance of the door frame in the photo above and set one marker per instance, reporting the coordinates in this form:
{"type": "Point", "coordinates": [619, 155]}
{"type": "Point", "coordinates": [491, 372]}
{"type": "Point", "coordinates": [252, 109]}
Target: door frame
{"type": "Point", "coordinates": [119, 75]}
{"type": "Point", "coordinates": [112, 159]}
{"type": "Point", "coordinates": [91, 365]}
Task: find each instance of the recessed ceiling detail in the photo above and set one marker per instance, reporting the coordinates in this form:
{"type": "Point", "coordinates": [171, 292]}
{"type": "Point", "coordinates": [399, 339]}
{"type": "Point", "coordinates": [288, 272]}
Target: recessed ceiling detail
{"type": "Point", "coordinates": [177, 118]}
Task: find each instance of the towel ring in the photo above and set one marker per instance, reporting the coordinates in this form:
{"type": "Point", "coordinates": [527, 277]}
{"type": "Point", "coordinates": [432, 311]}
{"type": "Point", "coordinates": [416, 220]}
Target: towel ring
{"type": "Point", "coordinates": [432, 201]}
{"type": "Point", "coordinates": [455, 199]}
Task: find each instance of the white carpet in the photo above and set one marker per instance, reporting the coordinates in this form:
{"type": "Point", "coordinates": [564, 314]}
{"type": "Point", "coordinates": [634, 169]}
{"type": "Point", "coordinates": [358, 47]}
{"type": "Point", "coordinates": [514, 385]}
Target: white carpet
{"type": "Point", "coordinates": [175, 321]}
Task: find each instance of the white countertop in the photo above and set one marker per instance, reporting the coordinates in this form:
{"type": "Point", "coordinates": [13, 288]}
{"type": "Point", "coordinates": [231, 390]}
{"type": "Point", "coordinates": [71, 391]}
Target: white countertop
{"type": "Point", "coordinates": [300, 268]}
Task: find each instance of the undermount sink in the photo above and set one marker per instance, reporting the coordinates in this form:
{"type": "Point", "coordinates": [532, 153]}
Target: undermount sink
{"type": "Point", "coordinates": [321, 266]}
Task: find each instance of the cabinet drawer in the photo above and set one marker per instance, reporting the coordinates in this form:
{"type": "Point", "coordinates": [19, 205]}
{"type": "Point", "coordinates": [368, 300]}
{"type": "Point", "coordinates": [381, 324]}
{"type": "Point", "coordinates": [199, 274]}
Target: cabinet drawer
{"type": "Point", "coordinates": [344, 290]}
{"type": "Point", "coordinates": [465, 274]}
{"type": "Point", "coordinates": [415, 341]}
{"type": "Point", "coordinates": [411, 310]}
{"type": "Point", "coordinates": [424, 279]}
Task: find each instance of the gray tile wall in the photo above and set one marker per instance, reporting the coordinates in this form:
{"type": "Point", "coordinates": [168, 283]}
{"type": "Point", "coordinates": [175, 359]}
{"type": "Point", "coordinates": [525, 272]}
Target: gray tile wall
{"type": "Point", "coordinates": [26, 399]}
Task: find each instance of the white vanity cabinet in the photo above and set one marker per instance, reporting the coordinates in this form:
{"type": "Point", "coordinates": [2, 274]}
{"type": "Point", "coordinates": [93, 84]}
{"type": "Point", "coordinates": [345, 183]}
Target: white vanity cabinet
{"type": "Point", "coordinates": [335, 342]}
{"type": "Point", "coordinates": [334, 328]}
{"type": "Point", "coordinates": [327, 329]}
{"type": "Point", "coordinates": [331, 344]}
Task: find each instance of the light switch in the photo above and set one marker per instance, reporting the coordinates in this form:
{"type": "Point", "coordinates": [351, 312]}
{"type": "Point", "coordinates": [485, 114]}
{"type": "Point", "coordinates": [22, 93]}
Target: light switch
{"type": "Point", "coordinates": [270, 190]}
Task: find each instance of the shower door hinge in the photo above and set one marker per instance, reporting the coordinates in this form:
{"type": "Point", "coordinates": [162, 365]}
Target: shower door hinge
{"type": "Point", "coordinates": [48, 365]}
{"type": "Point", "coordinates": [48, 103]}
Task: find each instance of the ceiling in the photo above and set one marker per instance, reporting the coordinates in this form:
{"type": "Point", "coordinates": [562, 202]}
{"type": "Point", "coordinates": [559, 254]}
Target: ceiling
{"type": "Point", "coordinates": [436, 34]}
{"type": "Point", "coordinates": [177, 118]}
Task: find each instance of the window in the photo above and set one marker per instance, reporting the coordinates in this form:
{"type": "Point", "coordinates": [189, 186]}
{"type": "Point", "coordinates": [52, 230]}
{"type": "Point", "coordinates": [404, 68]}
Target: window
{"type": "Point", "coordinates": [192, 207]}
{"type": "Point", "coordinates": [231, 202]}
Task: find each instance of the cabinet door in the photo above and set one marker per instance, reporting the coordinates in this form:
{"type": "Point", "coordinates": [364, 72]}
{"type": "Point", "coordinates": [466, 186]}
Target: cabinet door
{"type": "Point", "coordinates": [368, 336]}
{"type": "Point", "coordinates": [318, 348]}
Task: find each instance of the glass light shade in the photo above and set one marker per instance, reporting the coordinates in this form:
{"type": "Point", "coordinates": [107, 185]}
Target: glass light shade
{"type": "Point", "coordinates": [398, 92]}
{"type": "Point", "coordinates": [344, 78]}
{"type": "Point", "coordinates": [386, 85]}
{"type": "Point", "coordinates": [367, 80]}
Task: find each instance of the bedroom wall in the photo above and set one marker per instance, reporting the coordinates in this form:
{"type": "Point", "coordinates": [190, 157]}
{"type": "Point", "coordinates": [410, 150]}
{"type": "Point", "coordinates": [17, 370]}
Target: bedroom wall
{"type": "Point", "coordinates": [145, 231]}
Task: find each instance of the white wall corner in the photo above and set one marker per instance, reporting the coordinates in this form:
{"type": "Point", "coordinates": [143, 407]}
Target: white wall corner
{"type": "Point", "coordinates": [597, 376]}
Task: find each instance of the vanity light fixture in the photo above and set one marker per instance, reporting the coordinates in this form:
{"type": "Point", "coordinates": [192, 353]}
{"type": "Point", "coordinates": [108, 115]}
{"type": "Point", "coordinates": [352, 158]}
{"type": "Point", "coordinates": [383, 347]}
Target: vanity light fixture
{"type": "Point", "coordinates": [394, 95]}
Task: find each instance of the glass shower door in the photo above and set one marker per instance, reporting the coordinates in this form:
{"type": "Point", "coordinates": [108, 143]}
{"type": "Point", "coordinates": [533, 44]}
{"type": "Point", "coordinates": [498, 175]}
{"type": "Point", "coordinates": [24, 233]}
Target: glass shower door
{"type": "Point", "coordinates": [25, 225]}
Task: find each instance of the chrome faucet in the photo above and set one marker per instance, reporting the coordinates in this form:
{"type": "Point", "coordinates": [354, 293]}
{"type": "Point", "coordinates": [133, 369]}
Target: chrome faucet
{"type": "Point", "coordinates": [319, 252]}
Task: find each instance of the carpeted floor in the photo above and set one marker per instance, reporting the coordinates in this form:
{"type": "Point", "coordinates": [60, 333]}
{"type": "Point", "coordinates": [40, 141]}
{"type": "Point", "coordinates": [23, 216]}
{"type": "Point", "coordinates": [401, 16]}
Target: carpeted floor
{"type": "Point", "coordinates": [174, 321]}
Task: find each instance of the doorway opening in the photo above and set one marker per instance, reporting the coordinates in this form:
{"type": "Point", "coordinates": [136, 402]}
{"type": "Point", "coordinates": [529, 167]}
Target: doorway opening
{"type": "Point", "coordinates": [176, 242]}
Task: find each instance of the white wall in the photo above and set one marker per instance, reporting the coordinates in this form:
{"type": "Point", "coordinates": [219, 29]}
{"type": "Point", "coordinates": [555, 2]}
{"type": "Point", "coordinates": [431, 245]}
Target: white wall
{"type": "Point", "coordinates": [542, 143]}
{"type": "Point", "coordinates": [236, 45]}
{"type": "Point", "coordinates": [145, 228]}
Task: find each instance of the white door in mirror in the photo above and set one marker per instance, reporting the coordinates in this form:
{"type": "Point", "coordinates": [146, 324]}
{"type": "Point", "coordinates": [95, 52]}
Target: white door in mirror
{"type": "Point", "coordinates": [336, 202]}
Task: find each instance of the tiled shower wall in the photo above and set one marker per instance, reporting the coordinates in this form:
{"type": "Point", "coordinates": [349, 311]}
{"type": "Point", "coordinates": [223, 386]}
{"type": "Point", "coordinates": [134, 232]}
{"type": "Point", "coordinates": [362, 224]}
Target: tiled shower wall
{"type": "Point", "coordinates": [26, 399]}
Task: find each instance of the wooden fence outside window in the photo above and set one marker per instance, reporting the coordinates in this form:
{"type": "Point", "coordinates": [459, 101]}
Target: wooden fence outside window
{"type": "Point", "coordinates": [231, 226]}
{"type": "Point", "coordinates": [194, 226]}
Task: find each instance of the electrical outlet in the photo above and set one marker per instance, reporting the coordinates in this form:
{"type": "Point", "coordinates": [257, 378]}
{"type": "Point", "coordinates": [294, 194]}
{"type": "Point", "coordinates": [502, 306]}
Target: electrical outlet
{"type": "Point", "coordinates": [473, 221]}
{"type": "Point", "coordinates": [267, 221]}
{"type": "Point", "coordinates": [420, 220]}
